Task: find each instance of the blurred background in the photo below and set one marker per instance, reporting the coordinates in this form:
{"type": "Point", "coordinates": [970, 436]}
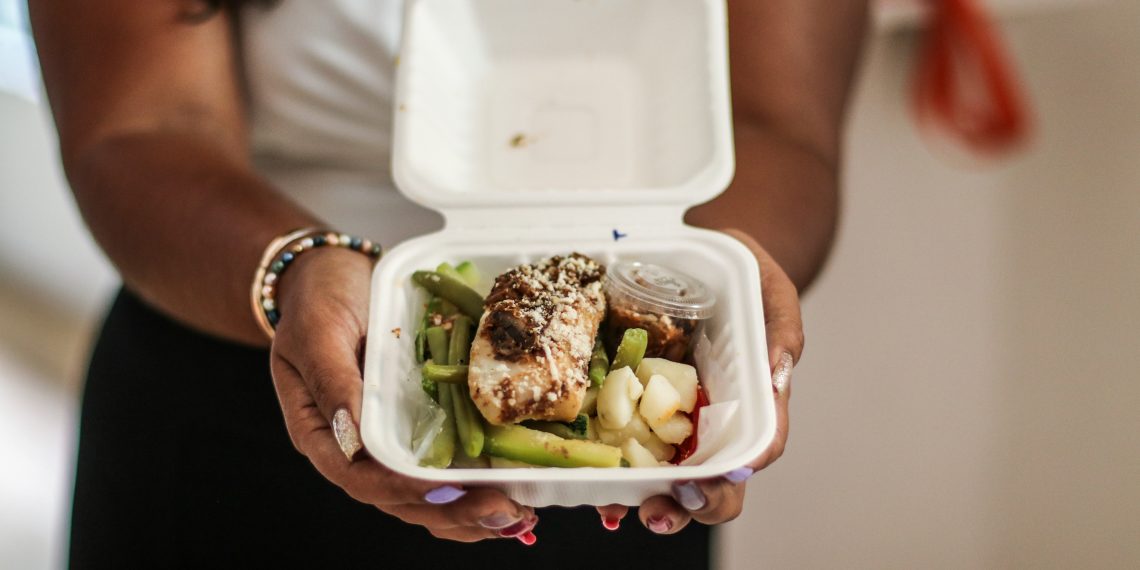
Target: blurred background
{"type": "Point", "coordinates": [970, 395]}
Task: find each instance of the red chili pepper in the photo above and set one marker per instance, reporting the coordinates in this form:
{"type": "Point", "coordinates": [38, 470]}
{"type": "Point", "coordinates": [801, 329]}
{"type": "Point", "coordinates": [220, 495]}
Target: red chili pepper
{"type": "Point", "coordinates": [689, 446]}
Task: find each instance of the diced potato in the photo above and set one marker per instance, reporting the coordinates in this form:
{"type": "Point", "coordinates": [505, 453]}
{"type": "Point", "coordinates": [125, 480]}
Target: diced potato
{"type": "Point", "coordinates": [682, 376]}
{"type": "Point", "coordinates": [674, 430]}
{"type": "Point", "coordinates": [635, 388]}
{"type": "Point", "coordinates": [637, 455]}
{"type": "Point", "coordinates": [615, 406]}
{"type": "Point", "coordinates": [639, 430]}
{"type": "Point", "coordinates": [660, 401]}
{"type": "Point", "coordinates": [590, 402]}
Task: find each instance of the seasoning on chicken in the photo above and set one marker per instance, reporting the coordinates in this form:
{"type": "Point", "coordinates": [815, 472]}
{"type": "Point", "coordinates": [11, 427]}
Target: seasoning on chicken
{"type": "Point", "coordinates": [531, 354]}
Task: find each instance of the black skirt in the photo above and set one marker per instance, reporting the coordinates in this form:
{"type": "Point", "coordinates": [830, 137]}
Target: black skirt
{"type": "Point", "coordinates": [184, 461]}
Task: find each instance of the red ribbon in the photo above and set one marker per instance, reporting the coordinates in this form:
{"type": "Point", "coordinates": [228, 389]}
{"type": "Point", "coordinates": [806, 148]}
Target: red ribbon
{"type": "Point", "coordinates": [965, 85]}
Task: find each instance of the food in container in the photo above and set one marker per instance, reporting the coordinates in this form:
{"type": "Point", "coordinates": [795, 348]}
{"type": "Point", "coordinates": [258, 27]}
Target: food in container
{"type": "Point", "coordinates": [523, 396]}
{"type": "Point", "coordinates": [531, 354]}
{"type": "Point", "coordinates": [623, 132]}
{"type": "Point", "coordinates": [667, 303]}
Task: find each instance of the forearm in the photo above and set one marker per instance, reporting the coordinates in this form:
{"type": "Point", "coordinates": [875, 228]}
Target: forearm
{"type": "Point", "coordinates": [793, 63]}
{"type": "Point", "coordinates": [784, 195]}
{"type": "Point", "coordinates": [184, 222]}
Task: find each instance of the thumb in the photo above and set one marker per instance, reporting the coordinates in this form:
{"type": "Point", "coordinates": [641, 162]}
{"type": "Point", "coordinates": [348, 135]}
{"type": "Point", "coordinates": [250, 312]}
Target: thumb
{"type": "Point", "coordinates": [782, 321]}
{"type": "Point", "coordinates": [326, 359]}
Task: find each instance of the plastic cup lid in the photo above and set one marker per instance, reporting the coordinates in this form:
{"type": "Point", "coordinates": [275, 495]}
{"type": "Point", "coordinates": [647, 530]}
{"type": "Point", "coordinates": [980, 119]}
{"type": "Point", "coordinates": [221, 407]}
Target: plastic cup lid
{"type": "Point", "coordinates": [660, 289]}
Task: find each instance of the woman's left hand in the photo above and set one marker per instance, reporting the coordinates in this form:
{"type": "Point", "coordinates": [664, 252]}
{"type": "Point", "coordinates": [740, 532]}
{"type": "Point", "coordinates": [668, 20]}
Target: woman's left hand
{"type": "Point", "coordinates": [719, 500]}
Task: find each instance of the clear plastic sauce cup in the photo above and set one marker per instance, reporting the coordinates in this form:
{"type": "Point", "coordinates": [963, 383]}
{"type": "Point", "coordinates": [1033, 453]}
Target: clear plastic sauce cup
{"type": "Point", "coordinates": [667, 303]}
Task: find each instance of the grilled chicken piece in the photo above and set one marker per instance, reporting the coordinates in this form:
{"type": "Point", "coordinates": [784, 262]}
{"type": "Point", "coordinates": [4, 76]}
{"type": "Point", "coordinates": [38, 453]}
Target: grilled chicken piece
{"type": "Point", "coordinates": [531, 354]}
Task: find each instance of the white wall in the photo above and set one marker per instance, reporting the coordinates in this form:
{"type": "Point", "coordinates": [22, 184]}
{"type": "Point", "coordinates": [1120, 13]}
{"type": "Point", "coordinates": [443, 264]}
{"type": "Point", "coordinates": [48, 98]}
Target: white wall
{"type": "Point", "coordinates": [970, 394]}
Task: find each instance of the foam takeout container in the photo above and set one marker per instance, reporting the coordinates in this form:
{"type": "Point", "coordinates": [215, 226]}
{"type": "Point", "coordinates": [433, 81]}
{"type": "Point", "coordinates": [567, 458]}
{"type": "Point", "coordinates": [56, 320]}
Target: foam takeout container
{"type": "Point", "coordinates": [542, 127]}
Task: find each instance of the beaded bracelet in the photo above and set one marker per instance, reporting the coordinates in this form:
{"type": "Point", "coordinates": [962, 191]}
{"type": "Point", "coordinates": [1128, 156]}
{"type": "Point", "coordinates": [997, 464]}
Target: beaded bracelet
{"type": "Point", "coordinates": [280, 253]}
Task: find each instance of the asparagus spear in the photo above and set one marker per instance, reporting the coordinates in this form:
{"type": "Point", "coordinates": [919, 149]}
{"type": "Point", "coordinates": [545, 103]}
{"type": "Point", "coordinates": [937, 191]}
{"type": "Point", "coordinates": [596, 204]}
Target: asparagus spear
{"type": "Point", "coordinates": [599, 364]}
{"type": "Point", "coordinates": [540, 448]}
{"type": "Point", "coordinates": [631, 350]}
{"type": "Point", "coordinates": [452, 289]}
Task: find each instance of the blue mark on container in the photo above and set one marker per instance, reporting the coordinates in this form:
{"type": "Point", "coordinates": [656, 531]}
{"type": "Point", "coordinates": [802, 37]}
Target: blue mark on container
{"type": "Point", "coordinates": [618, 235]}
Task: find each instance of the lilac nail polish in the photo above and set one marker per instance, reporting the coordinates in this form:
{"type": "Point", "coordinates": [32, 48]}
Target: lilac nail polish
{"type": "Point", "coordinates": [444, 495]}
{"type": "Point", "coordinates": [689, 495]}
{"type": "Point", "coordinates": [739, 475]}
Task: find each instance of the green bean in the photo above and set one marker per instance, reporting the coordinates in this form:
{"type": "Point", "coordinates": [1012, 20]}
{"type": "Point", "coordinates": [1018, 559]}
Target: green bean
{"type": "Point", "coordinates": [445, 373]}
{"type": "Point", "coordinates": [421, 339]}
{"type": "Point", "coordinates": [454, 290]}
{"type": "Point", "coordinates": [437, 341]}
{"type": "Point", "coordinates": [445, 268]}
{"type": "Point", "coordinates": [447, 308]}
{"type": "Point", "coordinates": [468, 421]}
{"type": "Point", "coordinates": [599, 364]}
{"type": "Point", "coordinates": [578, 429]}
{"type": "Point", "coordinates": [443, 448]}
{"type": "Point", "coordinates": [469, 273]}
{"type": "Point", "coordinates": [631, 350]}
{"type": "Point", "coordinates": [459, 351]}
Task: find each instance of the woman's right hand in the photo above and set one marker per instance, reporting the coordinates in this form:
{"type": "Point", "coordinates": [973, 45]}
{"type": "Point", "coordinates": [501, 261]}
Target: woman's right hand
{"type": "Point", "coordinates": [315, 361]}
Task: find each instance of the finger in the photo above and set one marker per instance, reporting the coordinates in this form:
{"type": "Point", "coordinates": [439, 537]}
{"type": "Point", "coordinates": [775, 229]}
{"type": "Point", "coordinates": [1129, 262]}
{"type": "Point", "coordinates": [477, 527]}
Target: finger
{"type": "Point", "coordinates": [486, 508]}
{"type": "Point", "coordinates": [364, 480]}
{"type": "Point", "coordinates": [327, 362]}
{"type": "Point", "coordinates": [662, 515]}
{"type": "Point", "coordinates": [612, 515]}
{"type": "Point", "coordinates": [782, 392]}
{"type": "Point", "coordinates": [488, 526]}
{"type": "Point", "coordinates": [710, 501]}
{"type": "Point", "coordinates": [782, 319]}
{"type": "Point", "coordinates": [468, 534]}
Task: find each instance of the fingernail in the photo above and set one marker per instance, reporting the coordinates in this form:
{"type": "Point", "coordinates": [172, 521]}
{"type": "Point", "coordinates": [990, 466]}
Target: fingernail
{"type": "Point", "coordinates": [528, 538]}
{"type": "Point", "coordinates": [347, 437]}
{"type": "Point", "coordinates": [443, 495]}
{"type": "Point", "coordinates": [739, 475]}
{"type": "Point", "coordinates": [498, 520]}
{"type": "Point", "coordinates": [689, 495]}
{"type": "Point", "coordinates": [611, 523]}
{"type": "Point", "coordinates": [517, 529]}
{"type": "Point", "coordinates": [659, 524]}
{"type": "Point", "coordinates": [783, 375]}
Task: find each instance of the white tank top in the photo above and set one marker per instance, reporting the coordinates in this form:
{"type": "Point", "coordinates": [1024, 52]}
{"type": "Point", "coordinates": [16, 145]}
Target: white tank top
{"type": "Point", "coordinates": [320, 75]}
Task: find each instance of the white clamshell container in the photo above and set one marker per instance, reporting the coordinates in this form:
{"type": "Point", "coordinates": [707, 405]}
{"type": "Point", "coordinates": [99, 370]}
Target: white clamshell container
{"type": "Point", "coordinates": [543, 127]}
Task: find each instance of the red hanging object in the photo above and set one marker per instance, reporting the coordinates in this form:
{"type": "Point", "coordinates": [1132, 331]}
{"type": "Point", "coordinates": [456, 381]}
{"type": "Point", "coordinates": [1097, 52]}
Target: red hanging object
{"type": "Point", "coordinates": [965, 86]}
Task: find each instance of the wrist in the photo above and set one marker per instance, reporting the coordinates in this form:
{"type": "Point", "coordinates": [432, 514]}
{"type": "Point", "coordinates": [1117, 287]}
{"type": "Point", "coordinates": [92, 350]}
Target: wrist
{"type": "Point", "coordinates": [303, 259]}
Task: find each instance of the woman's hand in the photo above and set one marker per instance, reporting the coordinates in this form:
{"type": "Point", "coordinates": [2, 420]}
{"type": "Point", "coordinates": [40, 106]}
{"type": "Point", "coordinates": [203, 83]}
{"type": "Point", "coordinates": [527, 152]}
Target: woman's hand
{"type": "Point", "coordinates": [719, 500]}
{"type": "Point", "coordinates": [315, 361]}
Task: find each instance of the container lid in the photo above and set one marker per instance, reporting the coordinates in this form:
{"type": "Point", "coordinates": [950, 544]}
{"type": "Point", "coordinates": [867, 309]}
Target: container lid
{"type": "Point", "coordinates": [515, 112]}
{"type": "Point", "coordinates": [660, 289]}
